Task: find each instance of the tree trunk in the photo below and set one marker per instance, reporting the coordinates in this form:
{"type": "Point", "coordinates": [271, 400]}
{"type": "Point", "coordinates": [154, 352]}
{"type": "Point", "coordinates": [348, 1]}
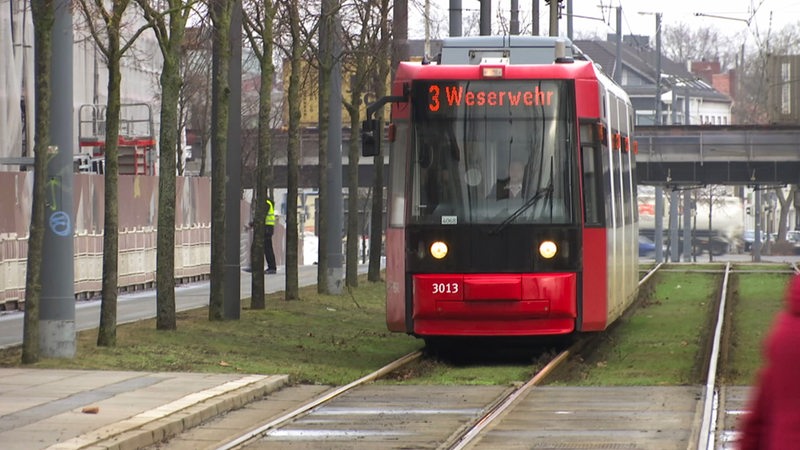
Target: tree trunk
{"type": "Point", "coordinates": [43, 12]}
{"type": "Point", "coordinates": [107, 331]}
{"type": "Point", "coordinates": [170, 36]}
{"type": "Point", "coordinates": [292, 284]}
{"type": "Point", "coordinates": [220, 91]}
{"type": "Point", "coordinates": [263, 181]}
{"type": "Point", "coordinates": [354, 148]}
{"type": "Point", "coordinates": [168, 141]}
{"type": "Point", "coordinates": [376, 224]}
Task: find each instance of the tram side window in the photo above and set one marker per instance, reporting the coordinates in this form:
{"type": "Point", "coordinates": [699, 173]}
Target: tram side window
{"type": "Point", "coordinates": [618, 174]}
{"type": "Point", "coordinates": [398, 175]}
{"type": "Point", "coordinates": [592, 187]}
{"type": "Point", "coordinates": [626, 192]}
{"type": "Point", "coordinates": [592, 166]}
{"type": "Point", "coordinates": [608, 175]}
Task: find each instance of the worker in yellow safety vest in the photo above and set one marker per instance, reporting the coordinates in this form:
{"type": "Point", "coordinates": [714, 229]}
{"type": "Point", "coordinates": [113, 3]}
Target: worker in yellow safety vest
{"type": "Point", "coordinates": [269, 230]}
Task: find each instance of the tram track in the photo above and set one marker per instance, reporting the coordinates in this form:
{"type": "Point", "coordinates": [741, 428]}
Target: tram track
{"type": "Point", "coordinates": [364, 414]}
{"type": "Point", "coordinates": [465, 437]}
{"type": "Point", "coordinates": [481, 411]}
{"type": "Point", "coordinates": [262, 430]}
{"type": "Point", "coordinates": [724, 404]}
{"type": "Point", "coordinates": [460, 436]}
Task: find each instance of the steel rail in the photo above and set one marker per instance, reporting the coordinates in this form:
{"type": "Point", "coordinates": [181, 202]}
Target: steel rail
{"type": "Point", "coordinates": [507, 402]}
{"type": "Point", "coordinates": [267, 427]}
{"type": "Point", "coordinates": [512, 397]}
{"type": "Point", "coordinates": [707, 436]}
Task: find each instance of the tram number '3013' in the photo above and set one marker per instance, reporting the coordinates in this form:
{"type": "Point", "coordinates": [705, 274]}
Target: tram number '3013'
{"type": "Point", "coordinates": [445, 288]}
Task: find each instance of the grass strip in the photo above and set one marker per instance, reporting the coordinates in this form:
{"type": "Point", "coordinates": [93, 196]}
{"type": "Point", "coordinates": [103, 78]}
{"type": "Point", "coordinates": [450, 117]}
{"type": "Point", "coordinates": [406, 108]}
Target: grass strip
{"type": "Point", "coordinates": [323, 339]}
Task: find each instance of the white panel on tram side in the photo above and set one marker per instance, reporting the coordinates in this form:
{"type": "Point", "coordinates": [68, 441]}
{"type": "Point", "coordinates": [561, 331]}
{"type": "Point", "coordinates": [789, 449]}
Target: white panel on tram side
{"type": "Point", "coordinates": [622, 297]}
{"type": "Point", "coordinates": [634, 208]}
{"type": "Point", "coordinates": [609, 109]}
{"type": "Point", "coordinates": [619, 298]}
{"type": "Point", "coordinates": [622, 246]}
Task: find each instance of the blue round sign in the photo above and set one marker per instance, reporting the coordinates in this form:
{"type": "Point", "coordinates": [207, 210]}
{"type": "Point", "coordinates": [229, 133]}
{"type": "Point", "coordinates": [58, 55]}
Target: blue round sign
{"type": "Point", "coordinates": [60, 224]}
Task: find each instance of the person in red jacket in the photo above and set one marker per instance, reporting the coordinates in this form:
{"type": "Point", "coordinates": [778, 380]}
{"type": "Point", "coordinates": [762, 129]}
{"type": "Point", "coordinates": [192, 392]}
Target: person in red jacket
{"type": "Point", "coordinates": [773, 420]}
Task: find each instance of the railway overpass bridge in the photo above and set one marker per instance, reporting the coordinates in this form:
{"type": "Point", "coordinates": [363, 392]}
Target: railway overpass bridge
{"type": "Point", "coordinates": [680, 157]}
{"type": "Point", "coordinates": [676, 156]}
{"type": "Point", "coordinates": [755, 155]}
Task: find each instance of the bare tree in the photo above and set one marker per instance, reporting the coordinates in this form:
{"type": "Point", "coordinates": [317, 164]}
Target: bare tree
{"type": "Point", "coordinates": [360, 60]}
{"type": "Point", "coordinates": [169, 34]}
{"type": "Point", "coordinates": [379, 87]}
{"type": "Point", "coordinates": [106, 28]}
{"type": "Point", "coordinates": [221, 11]}
{"type": "Point", "coordinates": [43, 13]}
{"type": "Point", "coordinates": [786, 204]}
{"type": "Point", "coordinates": [682, 43]}
{"type": "Point", "coordinates": [196, 89]}
{"type": "Point", "coordinates": [258, 22]}
{"type": "Point", "coordinates": [297, 48]}
{"type": "Point", "coordinates": [751, 102]}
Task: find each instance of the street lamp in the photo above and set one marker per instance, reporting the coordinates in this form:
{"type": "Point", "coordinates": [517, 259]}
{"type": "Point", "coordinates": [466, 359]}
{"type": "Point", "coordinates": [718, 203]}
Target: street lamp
{"type": "Point", "coordinates": [747, 21]}
{"type": "Point", "coordinates": [657, 117]}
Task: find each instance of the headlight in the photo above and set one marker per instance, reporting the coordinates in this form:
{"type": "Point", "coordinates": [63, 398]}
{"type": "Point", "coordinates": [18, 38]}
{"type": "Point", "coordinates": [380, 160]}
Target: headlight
{"type": "Point", "coordinates": [548, 249]}
{"type": "Point", "coordinates": [438, 249]}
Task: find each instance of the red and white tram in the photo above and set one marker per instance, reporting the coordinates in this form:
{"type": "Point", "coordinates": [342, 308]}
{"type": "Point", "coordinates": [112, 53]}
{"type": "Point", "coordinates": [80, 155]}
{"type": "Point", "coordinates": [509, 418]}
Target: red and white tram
{"type": "Point", "coordinates": [512, 192]}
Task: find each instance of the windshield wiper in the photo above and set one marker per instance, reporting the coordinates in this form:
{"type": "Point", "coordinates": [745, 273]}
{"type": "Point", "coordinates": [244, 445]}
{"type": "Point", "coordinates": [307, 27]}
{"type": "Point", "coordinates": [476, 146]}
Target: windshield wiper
{"type": "Point", "coordinates": [545, 191]}
{"type": "Point", "coordinates": [541, 192]}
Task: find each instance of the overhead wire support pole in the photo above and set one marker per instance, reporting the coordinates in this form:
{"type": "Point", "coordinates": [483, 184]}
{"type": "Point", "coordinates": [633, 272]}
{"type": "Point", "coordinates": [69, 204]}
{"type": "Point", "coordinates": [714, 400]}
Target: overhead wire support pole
{"type": "Point", "coordinates": [657, 98]}
{"type": "Point", "coordinates": [57, 303]}
{"type": "Point", "coordinates": [455, 18]}
{"type": "Point", "coordinates": [334, 208]}
{"type": "Point", "coordinates": [618, 57]}
{"type": "Point", "coordinates": [554, 17]}
{"type": "Point", "coordinates": [231, 303]}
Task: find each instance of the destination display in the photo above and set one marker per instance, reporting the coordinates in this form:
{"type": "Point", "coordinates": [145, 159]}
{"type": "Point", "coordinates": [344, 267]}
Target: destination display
{"type": "Point", "coordinates": [439, 99]}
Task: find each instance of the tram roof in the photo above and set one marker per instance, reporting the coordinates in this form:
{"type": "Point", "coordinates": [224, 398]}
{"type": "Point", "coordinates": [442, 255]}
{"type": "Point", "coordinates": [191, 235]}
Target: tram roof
{"type": "Point", "coordinates": [518, 49]}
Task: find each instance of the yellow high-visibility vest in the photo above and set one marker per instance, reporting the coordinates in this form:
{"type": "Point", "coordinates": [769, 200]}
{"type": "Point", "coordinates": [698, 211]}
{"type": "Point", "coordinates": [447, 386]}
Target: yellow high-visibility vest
{"type": "Point", "coordinates": [270, 220]}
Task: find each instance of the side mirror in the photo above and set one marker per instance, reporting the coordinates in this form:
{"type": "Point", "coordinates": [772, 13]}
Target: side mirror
{"type": "Point", "coordinates": [370, 137]}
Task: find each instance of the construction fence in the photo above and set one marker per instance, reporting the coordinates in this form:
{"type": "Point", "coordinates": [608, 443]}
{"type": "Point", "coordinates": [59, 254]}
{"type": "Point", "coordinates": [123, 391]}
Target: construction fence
{"type": "Point", "coordinates": [138, 221]}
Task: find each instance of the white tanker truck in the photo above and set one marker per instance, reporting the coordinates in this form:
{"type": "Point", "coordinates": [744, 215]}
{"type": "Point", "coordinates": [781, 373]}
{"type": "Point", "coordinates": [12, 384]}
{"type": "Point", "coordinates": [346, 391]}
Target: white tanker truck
{"type": "Point", "coordinates": [724, 234]}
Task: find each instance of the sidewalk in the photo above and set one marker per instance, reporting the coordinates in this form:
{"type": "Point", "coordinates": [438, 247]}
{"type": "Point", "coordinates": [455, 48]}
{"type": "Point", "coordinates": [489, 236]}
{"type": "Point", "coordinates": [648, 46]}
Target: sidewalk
{"type": "Point", "coordinates": [75, 409]}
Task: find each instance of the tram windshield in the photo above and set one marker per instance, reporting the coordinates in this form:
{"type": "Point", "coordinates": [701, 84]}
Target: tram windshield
{"type": "Point", "coordinates": [493, 152]}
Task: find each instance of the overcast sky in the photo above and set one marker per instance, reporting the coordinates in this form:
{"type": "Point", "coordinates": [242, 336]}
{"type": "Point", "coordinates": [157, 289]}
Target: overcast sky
{"type": "Point", "coordinates": [598, 16]}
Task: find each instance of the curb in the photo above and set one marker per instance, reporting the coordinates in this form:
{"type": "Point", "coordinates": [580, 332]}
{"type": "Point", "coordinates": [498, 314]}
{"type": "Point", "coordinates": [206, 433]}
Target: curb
{"type": "Point", "coordinates": [167, 421]}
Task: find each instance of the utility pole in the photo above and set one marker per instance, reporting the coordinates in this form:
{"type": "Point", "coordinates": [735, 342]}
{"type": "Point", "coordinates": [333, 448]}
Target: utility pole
{"type": "Point", "coordinates": [486, 17]}
{"type": "Point", "coordinates": [618, 58]}
{"type": "Point", "coordinates": [657, 100]}
{"type": "Point", "coordinates": [657, 120]}
{"type": "Point", "coordinates": [455, 18]}
{"type": "Point", "coordinates": [57, 310]}
{"type": "Point", "coordinates": [231, 304]}
{"type": "Point", "coordinates": [334, 207]}
{"type": "Point", "coordinates": [569, 19]}
{"type": "Point", "coordinates": [514, 23]}
{"type": "Point", "coordinates": [427, 51]}
{"type": "Point", "coordinates": [554, 17]}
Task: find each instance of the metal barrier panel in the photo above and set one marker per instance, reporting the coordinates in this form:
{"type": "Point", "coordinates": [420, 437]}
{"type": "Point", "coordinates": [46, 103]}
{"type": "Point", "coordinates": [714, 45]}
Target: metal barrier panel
{"type": "Point", "coordinates": [138, 215]}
